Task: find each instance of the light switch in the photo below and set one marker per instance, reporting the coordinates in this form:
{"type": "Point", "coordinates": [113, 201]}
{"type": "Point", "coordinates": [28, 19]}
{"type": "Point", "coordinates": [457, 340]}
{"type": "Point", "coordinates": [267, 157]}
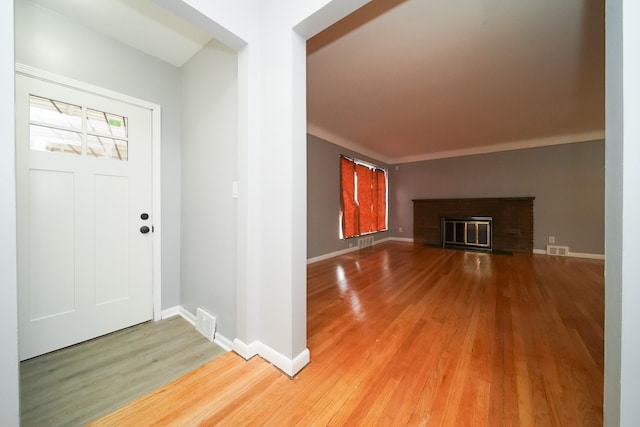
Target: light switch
{"type": "Point", "coordinates": [234, 190]}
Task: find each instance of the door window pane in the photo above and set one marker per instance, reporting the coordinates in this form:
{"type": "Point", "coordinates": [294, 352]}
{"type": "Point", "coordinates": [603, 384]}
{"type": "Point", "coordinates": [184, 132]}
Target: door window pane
{"type": "Point", "coordinates": [106, 123]}
{"type": "Point", "coordinates": [42, 138]}
{"type": "Point", "coordinates": [50, 112]}
{"type": "Point", "coordinates": [100, 146]}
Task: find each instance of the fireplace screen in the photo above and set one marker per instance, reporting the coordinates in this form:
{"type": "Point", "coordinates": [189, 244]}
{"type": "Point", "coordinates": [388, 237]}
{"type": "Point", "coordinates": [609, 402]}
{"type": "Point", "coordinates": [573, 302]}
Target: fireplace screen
{"type": "Point", "coordinates": [472, 232]}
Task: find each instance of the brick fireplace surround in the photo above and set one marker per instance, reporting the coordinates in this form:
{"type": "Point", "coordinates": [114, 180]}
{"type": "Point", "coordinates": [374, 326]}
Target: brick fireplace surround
{"type": "Point", "coordinates": [512, 220]}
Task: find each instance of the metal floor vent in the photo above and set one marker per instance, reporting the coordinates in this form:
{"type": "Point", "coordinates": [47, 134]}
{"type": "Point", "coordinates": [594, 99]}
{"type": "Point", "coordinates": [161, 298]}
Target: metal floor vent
{"type": "Point", "coordinates": [205, 323]}
{"type": "Point", "coordinates": [557, 250]}
{"type": "Point", "coordinates": [365, 242]}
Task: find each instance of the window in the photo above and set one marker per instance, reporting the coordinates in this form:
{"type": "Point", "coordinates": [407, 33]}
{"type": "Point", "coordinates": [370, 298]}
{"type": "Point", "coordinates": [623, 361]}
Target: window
{"type": "Point", "coordinates": [363, 199]}
{"type": "Point", "coordinates": [57, 126]}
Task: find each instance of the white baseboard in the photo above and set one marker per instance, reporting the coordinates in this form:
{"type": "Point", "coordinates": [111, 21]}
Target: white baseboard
{"type": "Point", "coordinates": [587, 256]}
{"type": "Point", "coordinates": [244, 350]}
{"type": "Point", "coordinates": [178, 310]}
{"type": "Point", "coordinates": [286, 365]}
{"type": "Point", "coordinates": [331, 255]}
{"type": "Point", "coordinates": [401, 239]}
{"type": "Point", "coordinates": [573, 254]}
{"type": "Point", "coordinates": [170, 312]}
{"type": "Point", "coordinates": [355, 248]}
{"type": "Point", "coordinates": [223, 341]}
{"type": "Point", "coordinates": [188, 316]}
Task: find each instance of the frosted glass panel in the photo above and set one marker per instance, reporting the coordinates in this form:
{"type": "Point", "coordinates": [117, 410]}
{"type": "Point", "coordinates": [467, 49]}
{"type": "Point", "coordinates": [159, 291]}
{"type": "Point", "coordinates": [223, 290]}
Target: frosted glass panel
{"type": "Point", "coordinates": [51, 218]}
{"type": "Point", "coordinates": [55, 113]}
{"type": "Point", "coordinates": [42, 138]}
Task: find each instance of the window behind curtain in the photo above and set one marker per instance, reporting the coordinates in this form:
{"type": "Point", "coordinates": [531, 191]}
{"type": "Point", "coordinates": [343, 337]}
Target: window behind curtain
{"type": "Point", "coordinates": [363, 198]}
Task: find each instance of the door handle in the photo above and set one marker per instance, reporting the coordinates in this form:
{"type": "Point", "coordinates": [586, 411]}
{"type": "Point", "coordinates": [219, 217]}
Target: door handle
{"type": "Point", "coordinates": [144, 229]}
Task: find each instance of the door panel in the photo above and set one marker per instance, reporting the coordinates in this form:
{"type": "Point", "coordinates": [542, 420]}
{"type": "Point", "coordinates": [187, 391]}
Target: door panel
{"type": "Point", "coordinates": [83, 178]}
{"type": "Point", "coordinates": [112, 238]}
{"type": "Point", "coordinates": [52, 244]}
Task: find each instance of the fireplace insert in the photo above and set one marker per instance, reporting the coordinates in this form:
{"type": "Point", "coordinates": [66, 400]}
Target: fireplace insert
{"type": "Point", "coordinates": [468, 233]}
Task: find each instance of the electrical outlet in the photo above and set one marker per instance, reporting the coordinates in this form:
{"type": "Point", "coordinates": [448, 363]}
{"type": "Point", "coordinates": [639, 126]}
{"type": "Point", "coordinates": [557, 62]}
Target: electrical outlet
{"type": "Point", "coordinates": [552, 239]}
{"type": "Point", "coordinates": [400, 229]}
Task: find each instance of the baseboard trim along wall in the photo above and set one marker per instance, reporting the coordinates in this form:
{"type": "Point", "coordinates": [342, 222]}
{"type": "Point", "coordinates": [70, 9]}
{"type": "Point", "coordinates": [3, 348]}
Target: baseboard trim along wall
{"type": "Point", "coordinates": [410, 240]}
{"type": "Point", "coordinates": [244, 350]}
{"type": "Point", "coordinates": [219, 339]}
{"type": "Point", "coordinates": [223, 342]}
{"type": "Point", "coordinates": [286, 365]}
{"type": "Point", "coordinates": [572, 254]}
{"type": "Point", "coordinates": [355, 248]}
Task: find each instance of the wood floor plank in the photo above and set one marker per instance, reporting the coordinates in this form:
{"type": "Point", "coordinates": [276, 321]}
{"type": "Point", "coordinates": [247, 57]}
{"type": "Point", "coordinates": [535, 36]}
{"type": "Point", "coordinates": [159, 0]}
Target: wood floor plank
{"type": "Point", "coordinates": [401, 334]}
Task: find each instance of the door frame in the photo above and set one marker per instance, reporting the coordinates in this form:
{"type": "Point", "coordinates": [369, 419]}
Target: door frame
{"type": "Point", "coordinates": [156, 158]}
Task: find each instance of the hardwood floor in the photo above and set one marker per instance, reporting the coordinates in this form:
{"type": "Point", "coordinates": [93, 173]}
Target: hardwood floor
{"type": "Point", "coordinates": [78, 384]}
{"type": "Point", "coordinates": [408, 335]}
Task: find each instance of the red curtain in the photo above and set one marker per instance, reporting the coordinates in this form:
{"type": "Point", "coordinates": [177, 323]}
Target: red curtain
{"type": "Point", "coordinates": [369, 213]}
{"type": "Point", "coordinates": [365, 198]}
{"type": "Point", "coordinates": [381, 200]}
{"type": "Point", "coordinates": [350, 224]}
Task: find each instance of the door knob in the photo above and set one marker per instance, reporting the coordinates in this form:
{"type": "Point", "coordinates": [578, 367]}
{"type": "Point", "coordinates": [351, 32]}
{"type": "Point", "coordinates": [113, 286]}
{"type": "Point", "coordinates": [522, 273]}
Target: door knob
{"type": "Point", "coordinates": [144, 216]}
{"type": "Point", "coordinates": [144, 229]}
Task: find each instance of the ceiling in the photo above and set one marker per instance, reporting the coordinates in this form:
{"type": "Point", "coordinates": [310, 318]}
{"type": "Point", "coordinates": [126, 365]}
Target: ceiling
{"type": "Point", "coordinates": [141, 24]}
{"type": "Point", "coordinates": [419, 79]}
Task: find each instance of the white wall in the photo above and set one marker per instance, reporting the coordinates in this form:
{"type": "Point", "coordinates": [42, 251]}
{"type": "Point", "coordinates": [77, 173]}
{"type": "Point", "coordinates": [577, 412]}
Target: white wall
{"type": "Point", "coordinates": [9, 413]}
{"type": "Point", "coordinates": [271, 167]}
{"type": "Point", "coordinates": [622, 228]}
{"type": "Point", "coordinates": [208, 168]}
{"type": "Point", "coordinates": [53, 43]}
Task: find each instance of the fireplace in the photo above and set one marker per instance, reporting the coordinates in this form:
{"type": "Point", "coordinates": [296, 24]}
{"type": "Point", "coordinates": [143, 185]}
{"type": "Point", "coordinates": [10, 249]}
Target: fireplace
{"type": "Point", "coordinates": [469, 233]}
{"type": "Point", "coordinates": [510, 230]}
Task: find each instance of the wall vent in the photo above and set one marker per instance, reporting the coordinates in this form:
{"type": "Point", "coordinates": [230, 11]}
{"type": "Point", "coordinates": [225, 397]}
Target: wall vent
{"type": "Point", "coordinates": [365, 242]}
{"type": "Point", "coordinates": [205, 323]}
{"type": "Point", "coordinates": [557, 250]}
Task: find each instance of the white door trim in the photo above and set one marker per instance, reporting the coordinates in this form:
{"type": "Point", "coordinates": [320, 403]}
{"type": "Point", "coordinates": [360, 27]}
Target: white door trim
{"type": "Point", "coordinates": [156, 162]}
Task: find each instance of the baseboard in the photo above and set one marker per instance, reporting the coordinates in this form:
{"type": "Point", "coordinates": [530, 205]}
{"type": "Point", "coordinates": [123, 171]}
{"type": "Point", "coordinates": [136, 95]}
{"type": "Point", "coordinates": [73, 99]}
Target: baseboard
{"type": "Point", "coordinates": [244, 350]}
{"type": "Point", "coordinates": [188, 316]}
{"type": "Point", "coordinates": [587, 256]}
{"type": "Point", "coordinates": [401, 239]}
{"type": "Point", "coordinates": [223, 341]}
{"type": "Point", "coordinates": [331, 255]}
{"type": "Point", "coordinates": [170, 312]}
{"type": "Point", "coordinates": [573, 254]}
{"type": "Point", "coordinates": [179, 311]}
{"type": "Point", "coordinates": [355, 248]}
{"type": "Point", "coordinates": [286, 365]}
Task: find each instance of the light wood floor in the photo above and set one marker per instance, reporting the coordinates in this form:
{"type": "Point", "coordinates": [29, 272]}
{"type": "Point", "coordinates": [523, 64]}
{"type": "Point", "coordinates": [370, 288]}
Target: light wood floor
{"type": "Point", "coordinates": [408, 335]}
{"type": "Point", "coordinates": [78, 384]}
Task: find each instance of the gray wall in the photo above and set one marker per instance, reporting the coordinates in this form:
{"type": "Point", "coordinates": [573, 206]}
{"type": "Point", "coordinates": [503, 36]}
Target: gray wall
{"type": "Point", "coordinates": [323, 197]}
{"type": "Point", "coordinates": [209, 166]}
{"type": "Point", "coordinates": [566, 180]}
{"type": "Point", "coordinates": [53, 43]}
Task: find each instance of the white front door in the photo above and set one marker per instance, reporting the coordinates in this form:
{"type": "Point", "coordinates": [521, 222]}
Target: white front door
{"type": "Point", "coordinates": [84, 190]}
